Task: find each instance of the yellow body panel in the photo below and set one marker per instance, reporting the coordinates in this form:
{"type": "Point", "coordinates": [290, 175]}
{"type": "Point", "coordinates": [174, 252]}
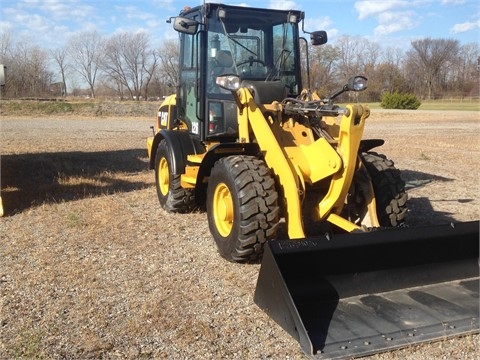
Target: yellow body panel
{"type": "Point", "coordinates": [164, 115]}
{"type": "Point", "coordinates": [296, 158]}
{"type": "Point", "coordinates": [326, 160]}
{"type": "Point", "coordinates": [149, 146]}
{"type": "Point", "coordinates": [275, 158]}
{"type": "Point", "coordinates": [189, 179]}
{"type": "Point", "coordinates": [351, 132]}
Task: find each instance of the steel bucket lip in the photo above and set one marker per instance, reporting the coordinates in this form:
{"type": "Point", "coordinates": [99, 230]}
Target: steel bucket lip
{"type": "Point", "coordinates": [376, 237]}
{"type": "Point", "coordinates": [343, 268]}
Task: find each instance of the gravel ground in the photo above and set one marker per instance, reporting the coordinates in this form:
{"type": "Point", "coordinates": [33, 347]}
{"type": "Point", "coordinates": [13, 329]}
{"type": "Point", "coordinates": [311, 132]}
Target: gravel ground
{"type": "Point", "coordinates": [92, 267]}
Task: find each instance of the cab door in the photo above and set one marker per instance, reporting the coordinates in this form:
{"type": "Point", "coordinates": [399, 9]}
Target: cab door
{"type": "Point", "coordinates": [189, 94]}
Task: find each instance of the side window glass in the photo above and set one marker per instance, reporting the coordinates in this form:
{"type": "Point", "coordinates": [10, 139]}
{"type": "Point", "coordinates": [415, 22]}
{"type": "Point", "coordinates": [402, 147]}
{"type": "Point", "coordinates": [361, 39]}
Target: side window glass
{"type": "Point", "coordinates": [220, 61]}
{"type": "Point", "coordinates": [282, 48]}
{"type": "Point", "coordinates": [188, 102]}
{"type": "Point", "coordinates": [189, 52]}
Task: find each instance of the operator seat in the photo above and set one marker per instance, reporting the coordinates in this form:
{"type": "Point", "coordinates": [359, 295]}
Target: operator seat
{"type": "Point", "coordinates": [224, 62]}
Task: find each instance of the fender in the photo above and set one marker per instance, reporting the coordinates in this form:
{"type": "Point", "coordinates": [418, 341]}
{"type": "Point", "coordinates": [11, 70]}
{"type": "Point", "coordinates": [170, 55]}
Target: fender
{"type": "Point", "coordinates": [226, 149]}
{"type": "Point", "coordinates": [369, 144]}
{"type": "Point", "coordinates": [181, 143]}
{"type": "Point", "coordinates": [215, 153]}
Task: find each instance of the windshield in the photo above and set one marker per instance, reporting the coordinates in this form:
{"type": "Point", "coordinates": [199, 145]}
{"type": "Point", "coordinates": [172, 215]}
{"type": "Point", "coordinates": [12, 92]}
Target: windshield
{"type": "Point", "coordinates": [256, 45]}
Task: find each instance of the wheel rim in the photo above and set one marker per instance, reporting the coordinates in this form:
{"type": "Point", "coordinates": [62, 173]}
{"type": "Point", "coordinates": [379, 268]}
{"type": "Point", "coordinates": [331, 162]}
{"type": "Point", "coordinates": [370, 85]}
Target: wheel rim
{"type": "Point", "coordinates": [223, 209]}
{"type": "Point", "coordinates": [163, 177]}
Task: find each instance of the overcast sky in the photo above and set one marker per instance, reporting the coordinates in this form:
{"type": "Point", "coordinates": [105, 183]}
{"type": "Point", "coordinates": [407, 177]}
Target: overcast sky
{"type": "Point", "coordinates": [390, 22]}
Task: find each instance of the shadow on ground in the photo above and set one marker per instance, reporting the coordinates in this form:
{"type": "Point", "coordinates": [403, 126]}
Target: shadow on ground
{"type": "Point", "coordinates": [420, 209]}
{"type": "Point", "coordinates": [31, 179]}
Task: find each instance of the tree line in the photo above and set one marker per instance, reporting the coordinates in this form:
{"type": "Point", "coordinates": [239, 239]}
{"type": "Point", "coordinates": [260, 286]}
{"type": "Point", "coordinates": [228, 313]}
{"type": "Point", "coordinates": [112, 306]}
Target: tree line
{"type": "Point", "coordinates": [126, 66]}
{"type": "Point", "coordinates": [429, 69]}
{"type": "Point", "coordinates": [123, 66]}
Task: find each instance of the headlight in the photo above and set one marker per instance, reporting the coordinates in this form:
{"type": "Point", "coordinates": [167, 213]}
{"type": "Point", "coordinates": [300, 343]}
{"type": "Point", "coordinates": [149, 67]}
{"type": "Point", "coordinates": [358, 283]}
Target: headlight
{"type": "Point", "coordinates": [228, 82]}
{"type": "Point", "coordinates": [357, 83]}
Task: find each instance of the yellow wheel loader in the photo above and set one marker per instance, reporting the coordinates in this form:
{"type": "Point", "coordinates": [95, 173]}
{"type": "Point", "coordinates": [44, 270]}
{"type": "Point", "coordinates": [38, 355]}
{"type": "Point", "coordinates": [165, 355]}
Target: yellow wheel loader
{"type": "Point", "coordinates": [286, 178]}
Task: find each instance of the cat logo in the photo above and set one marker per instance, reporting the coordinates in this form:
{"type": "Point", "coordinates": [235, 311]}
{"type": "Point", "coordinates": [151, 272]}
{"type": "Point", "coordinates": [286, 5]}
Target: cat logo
{"type": "Point", "coordinates": [163, 116]}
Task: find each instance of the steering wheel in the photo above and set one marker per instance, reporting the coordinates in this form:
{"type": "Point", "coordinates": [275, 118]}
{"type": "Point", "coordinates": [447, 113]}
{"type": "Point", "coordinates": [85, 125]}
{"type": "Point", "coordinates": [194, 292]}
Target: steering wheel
{"type": "Point", "coordinates": [251, 61]}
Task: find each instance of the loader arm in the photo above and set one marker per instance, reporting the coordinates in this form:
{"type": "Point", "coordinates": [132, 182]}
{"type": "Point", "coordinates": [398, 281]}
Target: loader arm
{"type": "Point", "coordinates": [249, 114]}
{"type": "Point", "coordinates": [351, 132]}
{"type": "Point", "coordinates": [289, 163]}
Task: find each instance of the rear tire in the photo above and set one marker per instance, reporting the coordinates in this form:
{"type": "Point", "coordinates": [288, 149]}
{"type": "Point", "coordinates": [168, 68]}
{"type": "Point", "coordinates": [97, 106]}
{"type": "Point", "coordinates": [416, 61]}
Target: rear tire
{"type": "Point", "coordinates": [172, 196]}
{"type": "Point", "coordinates": [389, 189]}
{"type": "Point", "coordinates": [242, 207]}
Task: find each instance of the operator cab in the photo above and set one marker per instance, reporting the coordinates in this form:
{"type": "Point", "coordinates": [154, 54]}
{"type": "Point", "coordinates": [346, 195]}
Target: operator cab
{"type": "Point", "coordinates": [260, 46]}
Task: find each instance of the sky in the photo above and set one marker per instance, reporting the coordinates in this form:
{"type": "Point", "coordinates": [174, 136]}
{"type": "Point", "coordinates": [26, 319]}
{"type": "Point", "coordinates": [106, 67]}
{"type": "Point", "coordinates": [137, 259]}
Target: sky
{"type": "Point", "coordinates": [395, 23]}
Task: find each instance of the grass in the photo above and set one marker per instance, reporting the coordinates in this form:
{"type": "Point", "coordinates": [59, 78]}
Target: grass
{"type": "Point", "coordinates": [423, 156]}
{"type": "Point", "coordinates": [30, 345]}
{"type": "Point", "coordinates": [444, 105]}
{"type": "Point", "coordinates": [467, 105]}
{"type": "Point", "coordinates": [74, 220]}
{"type": "Point", "coordinates": [98, 108]}
{"type": "Point", "coordinates": [94, 108]}
{"type": "Point", "coordinates": [44, 107]}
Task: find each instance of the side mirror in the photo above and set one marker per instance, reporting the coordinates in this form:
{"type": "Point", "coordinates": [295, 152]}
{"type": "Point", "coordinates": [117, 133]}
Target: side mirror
{"type": "Point", "coordinates": [185, 25]}
{"type": "Point", "coordinates": [318, 38]}
{"type": "Point", "coordinates": [357, 83]}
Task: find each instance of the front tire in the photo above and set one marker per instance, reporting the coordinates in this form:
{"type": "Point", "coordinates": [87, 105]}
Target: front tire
{"type": "Point", "coordinates": [378, 179]}
{"type": "Point", "coordinates": [242, 207]}
{"type": "Point", "coordinates": [172, 196]}
{"type": "Point", "coordinates": [389, 189]}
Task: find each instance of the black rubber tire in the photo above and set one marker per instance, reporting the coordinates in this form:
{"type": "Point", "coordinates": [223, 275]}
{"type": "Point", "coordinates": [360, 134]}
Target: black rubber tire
{"type": "Point", "coordinates": [246, 186]}
{"type": "Point", "coordinates": [389, 188]}
{"type": "Point", "coordinates": [172, 196]}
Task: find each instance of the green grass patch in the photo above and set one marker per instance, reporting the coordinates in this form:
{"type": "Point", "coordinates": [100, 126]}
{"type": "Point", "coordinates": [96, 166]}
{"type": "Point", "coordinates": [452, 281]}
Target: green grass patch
{"type": "Point", "coordinates": [466, 105]}
{"type": "Point", "coordinates": [35, 107]}
{"type": "Point", "coordinates": [444, 105]}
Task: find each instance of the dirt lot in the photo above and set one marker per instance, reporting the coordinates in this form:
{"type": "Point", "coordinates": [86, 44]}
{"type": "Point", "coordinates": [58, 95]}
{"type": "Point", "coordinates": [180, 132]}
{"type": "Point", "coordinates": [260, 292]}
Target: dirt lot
{"type": "Point", "coordinates": [92, 267]}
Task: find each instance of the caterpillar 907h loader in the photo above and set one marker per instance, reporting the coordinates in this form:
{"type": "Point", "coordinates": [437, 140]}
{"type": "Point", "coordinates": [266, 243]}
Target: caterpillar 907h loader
{"type": "Point", "coordinates": [271, 160]}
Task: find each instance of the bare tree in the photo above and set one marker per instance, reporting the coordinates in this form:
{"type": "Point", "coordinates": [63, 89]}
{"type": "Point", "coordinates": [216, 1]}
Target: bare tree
{"type": "Point", "coordinates": [168, 67]}
{"type": "Point", "coordinates": [86, 51]}
{"type": "Point", "coordinates": [351, 51]}
{"type": "Point", "coordinates": [5, 44]}
{"type": "Point", "coordinates": [324, 61]}
{"type": "Point", "coordinates": [60, 57]}
{"type": "Point", "coordinates": [431, 56]}
{"type": "Point", "coordinates": [463, 76]}
{"type": "Point", "coordinates": [393, 56]}
{"type": "Point", "coordinates": [387, 75]}
{"type": "Point", "coordinates": [150, 70]}
{"type": "Point", "coordinates": [28, 72]}
{"type": "Point", "coordinates": [5, 48]}
{"type": "Point", "coordinates": [113, 63]}
{"type": "Point", "coordinates": [129, 63]}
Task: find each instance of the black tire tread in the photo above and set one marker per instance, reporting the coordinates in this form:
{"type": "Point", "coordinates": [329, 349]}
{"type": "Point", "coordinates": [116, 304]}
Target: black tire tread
{"type": "Point", "coordinates": [178, 199]}
{"type": "Point", "coordinates": [257, 208]}
{"type": "Point", "coordinates": [389, 188]}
